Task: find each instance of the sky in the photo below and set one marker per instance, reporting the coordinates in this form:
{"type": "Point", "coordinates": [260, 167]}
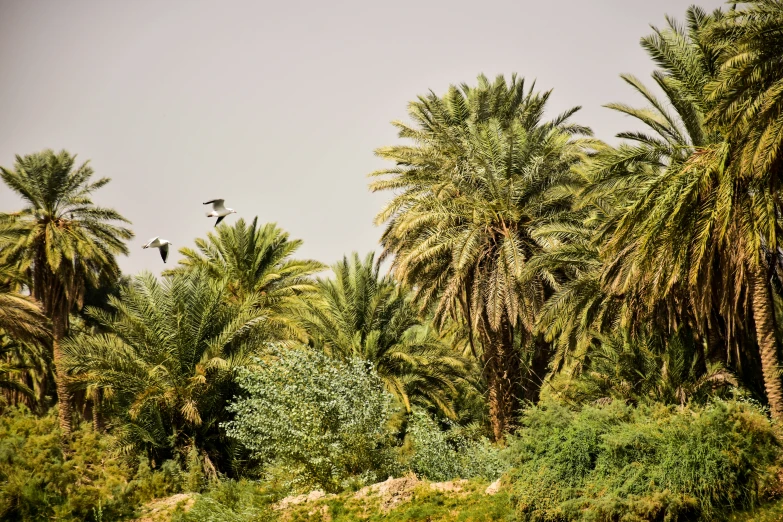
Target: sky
{"type": "Point", "coordinates": [277, 107]}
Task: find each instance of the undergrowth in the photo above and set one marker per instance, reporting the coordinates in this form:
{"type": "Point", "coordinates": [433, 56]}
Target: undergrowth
{"type": "Point", "coordinates": [651, 462]}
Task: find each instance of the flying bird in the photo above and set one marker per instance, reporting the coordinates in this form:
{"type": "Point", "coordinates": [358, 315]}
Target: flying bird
{"type": "Point", "coordinates": [218, 210]}
{"type": "Point", "coordinates": [160, 244]}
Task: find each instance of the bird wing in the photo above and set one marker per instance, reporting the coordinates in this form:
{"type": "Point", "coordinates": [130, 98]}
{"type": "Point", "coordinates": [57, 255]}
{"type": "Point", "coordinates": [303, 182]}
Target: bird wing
{"type": "Point", "coordinates": [151, 241]}
{"type": "Point", "coordinates": [219, 220]}
{"type": "Point", "coordinates": [164, 252]}
{"type": "Point", "coordinates": [217, 204]}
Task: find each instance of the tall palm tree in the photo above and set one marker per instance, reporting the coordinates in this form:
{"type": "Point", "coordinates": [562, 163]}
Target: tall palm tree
{"type": "Point", "coordinates": [168, 361]}
{"type": "Point", "coordinates": [361, 314]}
{"type": "Point", "coordinates": [698, 229]}
{"type": "Point", "coordinates": [748, 92]}
{"type": "Point", "coordinates": [255, 260]}
{"type": "Point", "coordinates": [62, 240]}
{"type": "Point", "coordinates": [470, 187]}
{"type": "Point", "coordinates": [673, 128]}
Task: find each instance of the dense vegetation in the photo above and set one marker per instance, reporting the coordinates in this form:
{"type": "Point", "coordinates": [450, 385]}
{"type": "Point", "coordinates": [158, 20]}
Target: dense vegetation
{"type": "Point", "coordinates": [599, 325]}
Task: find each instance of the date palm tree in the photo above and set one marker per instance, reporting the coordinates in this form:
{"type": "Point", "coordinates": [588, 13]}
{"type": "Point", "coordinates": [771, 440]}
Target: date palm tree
{"type": "Point", "coordinates": [748, 91]}
{"type": "Point", "coordinates": [469, 189]}
{"type": "Point", "coordinates": [167, 361]}
{"type": "Point", "coordinates": [256, 260]}
{"type": "Point", "coordinates": [62, 241]}
{"type": "Point", "coordinates": [361, 314]}
{"type": "Point", "coordinates": [697, 231]}
{"type": "Point", "coordinates": [24, 329]}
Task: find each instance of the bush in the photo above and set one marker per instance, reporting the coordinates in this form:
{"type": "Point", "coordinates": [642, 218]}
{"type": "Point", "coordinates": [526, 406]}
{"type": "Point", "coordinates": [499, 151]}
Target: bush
{"type": "Point", "coordinates": [648, 463]}
{"type": "Point", "coordinates": [148, 483]}
{"type": "Point", "coordinates": [444, 455]}
{"type": "Point", "coordinates": [37, 483]}
{"type": "Point", "coordinates": [229, 501]}
{"type": "Point", "coordinates": [316, 419]}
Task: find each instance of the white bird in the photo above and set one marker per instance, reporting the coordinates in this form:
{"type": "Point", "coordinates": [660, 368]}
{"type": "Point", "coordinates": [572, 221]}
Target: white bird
{"type": "Point", "coordinates": [160, 244]}
{"type": "Point", "coordinates": [218, 210]}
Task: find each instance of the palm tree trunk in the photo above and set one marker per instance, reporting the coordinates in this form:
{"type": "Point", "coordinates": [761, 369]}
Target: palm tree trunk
{"type": "Point", "coordinates": [501, 371]}
{"type": "Point", "coordinates": [539, 363]}
{"type": "Point", "coordinates": [63, 394]}
{"type": "Point", "coordinates": [765, 336]}
{"type": "Point", "coordinates": [97, 418]}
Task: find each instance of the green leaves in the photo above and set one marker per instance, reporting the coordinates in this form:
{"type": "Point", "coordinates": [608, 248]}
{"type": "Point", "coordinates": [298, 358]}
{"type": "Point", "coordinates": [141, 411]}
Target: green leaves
{"type": "Point", "coordinates": [169, 358]}
{"type": "Point", "coordinates": [746, 96]}
{"type": "Point", "coordinates": [483, 171]}
{"type": "Point", "coordinates": [322, 420]}
{"type": "Point", "coordinates": [361, 314]}
{"type": "Point", "coordinates": [66, 240]}
{"type": "Point", "coordinates": [256, 263]}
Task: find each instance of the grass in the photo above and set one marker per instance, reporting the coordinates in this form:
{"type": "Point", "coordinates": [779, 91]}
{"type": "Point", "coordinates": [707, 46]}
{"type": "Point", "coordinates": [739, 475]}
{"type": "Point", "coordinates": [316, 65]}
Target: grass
{"type": "Point", "coordinates": [772, 512]}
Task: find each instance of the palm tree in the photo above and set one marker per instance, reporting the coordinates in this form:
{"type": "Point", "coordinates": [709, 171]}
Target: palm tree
{"type": "Point", "coordinates": [360, 314]}
{"type": "Point", "coordinates": [61, 240]}
{"type": "Point", "coordinates": [469, 190]}
{"type": "Point", "coordinates": [255, 260]}
{"type": "Point", "coordinates": [673, 130]}
{"type": "Point", "coordinates": [636, 368]}
{"type": "Point", "coordinates": [696, 233]}
{"type": "Point", "coordinates": [747, 94]}
{"type": "Point", "coordinates": [23, 328]}
{"type": "Point", "coordinates": [168, 361]}
{"type": "Point", "coordinates": [20, 315]}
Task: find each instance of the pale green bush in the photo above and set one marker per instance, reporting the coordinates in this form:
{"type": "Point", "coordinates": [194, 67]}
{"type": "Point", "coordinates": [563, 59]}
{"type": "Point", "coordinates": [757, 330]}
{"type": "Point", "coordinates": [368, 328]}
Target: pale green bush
{"type": "Point", "coordinates": [444, 455]}
{"type": "Point", "coordinates": [319, 420]}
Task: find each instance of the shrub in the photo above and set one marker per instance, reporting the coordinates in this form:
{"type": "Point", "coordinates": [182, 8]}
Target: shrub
{"type": "Point", "coordinates": [229, 501]}
{"type": "Point", "coordinates": [443, 455]}
{"type": "Point", "coordinates": [37, 483]}
{"type": "Point", "coordinates": [653, 462]}
{"type": "Point", "coordinates": [319, 420]}
{"type": "Point", "coordinates": [148, 483]}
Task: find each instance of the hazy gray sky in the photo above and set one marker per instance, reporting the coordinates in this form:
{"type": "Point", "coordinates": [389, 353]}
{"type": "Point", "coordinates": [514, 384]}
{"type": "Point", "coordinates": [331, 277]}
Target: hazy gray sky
{"type": "Point", "coordinates": [278, 106]}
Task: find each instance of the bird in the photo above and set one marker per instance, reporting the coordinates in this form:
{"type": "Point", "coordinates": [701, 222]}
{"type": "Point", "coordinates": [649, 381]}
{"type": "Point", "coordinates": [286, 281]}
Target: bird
{"type": "Point", "coordinates": [160, 244]}
{"type": "Point", "coordinates": [218, 210]}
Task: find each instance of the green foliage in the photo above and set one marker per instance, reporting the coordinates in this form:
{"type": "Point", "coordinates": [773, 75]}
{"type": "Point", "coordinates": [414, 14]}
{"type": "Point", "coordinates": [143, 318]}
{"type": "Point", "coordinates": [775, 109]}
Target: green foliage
{"type": "Point", "coordinates": [647, 463]}
{"type": "Point", "coordinates": [194, 479]}
{"type": "Point", "coordinates": [256, 262]}
{"type": "Point", "coordinates": [168, 363]}
{"type": "Point", "coordinates": [445, 455]}
{"type": "Point", "coordinates": [231, 501]}
{"type": "Point", "coordinates": [361, 314]}
{"type": "Point", "coordinates": [320, 419]}
{"type": "Point", "coordinates": [162, 482]}
{"type": "Point", "coordinates": [37, 482]}
{"type": "Point", "coordinates": [66, 241]}
{"type": "Point", "coordinates": [771, 512]}
{"type": "Point", "coordinates": [667, 369]}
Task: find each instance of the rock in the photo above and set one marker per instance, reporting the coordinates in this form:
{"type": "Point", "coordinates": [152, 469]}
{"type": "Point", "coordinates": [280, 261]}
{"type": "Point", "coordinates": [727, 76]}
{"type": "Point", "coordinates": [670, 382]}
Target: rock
{"type": "Point", "coordinates": [493, 488]}
{"type": "Point", "coordinates": [392, 491]}
{"type": "Point", "coordinates": [299, 499]}
{"type": "Point", "coordinates": [161, 509]}
{"type": "Point", "coordinates": [451, 486]}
